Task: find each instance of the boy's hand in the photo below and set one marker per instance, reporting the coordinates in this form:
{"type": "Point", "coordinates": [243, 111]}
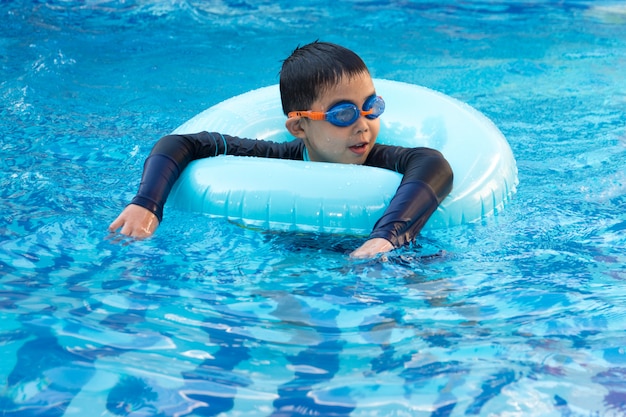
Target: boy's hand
{"type": "Point", "coordinates": [136, 222]}
{"type": "Point", "coordinates": [371, 248]}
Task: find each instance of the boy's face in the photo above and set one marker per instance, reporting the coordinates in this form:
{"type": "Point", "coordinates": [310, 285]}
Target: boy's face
{"type": "Point", "coordinates": [329, 143]}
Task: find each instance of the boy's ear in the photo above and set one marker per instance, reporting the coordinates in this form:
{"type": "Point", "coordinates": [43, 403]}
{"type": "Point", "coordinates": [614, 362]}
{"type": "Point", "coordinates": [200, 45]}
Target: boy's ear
{"type": "Point", "coordinates": [294, 126]}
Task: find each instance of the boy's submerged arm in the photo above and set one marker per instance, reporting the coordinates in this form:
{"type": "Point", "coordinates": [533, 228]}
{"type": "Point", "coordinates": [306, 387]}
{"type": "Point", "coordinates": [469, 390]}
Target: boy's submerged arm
{"type": "Point", "coordinates": [427, 180]}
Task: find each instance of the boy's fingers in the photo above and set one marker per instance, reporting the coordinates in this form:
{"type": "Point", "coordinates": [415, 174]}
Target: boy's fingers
{"type": "Point", "coordinates": [114, 226]}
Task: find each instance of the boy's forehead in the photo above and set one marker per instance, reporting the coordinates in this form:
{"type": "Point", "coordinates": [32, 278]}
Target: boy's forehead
{"type": "Point", "coordinates": [358, 86]}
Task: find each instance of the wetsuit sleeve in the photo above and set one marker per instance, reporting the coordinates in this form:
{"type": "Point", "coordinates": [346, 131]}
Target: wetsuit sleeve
{"type": "Point", "coordinates": [172, 153]}
{"type": "Point", "coordinates": [427, 180]}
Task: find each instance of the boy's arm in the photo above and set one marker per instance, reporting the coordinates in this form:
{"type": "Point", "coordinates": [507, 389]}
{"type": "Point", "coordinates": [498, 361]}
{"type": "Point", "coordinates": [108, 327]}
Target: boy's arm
{"type": "Point", "coordinates": [167, 160]}
{"type": "Point", "coordinates": [427, 180]}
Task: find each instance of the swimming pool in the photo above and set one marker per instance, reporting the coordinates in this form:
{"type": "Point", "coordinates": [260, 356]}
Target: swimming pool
{"type": "Point", "coordinates": [522, 314]}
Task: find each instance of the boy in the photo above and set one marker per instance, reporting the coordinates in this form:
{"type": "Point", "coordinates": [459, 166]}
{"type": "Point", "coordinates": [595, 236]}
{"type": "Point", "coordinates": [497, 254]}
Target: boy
{"type": "Point", "coordinates": [329, 98]}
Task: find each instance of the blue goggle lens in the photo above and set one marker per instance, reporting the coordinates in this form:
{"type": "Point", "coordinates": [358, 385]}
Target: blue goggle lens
{"type": "Point", "coordinates": [345, 114]}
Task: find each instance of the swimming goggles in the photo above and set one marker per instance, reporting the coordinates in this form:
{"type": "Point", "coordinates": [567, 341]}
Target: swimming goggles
{"type": "Point", "coordinates": [345, 113]}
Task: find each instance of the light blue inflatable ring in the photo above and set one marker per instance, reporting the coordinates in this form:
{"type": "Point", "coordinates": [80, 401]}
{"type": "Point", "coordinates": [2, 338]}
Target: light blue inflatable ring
{"type": "Point", "coordinates": [348, 199]}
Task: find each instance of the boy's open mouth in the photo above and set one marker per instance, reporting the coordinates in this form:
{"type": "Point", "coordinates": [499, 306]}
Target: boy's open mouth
{"type": "Point", "coordinates": [359, 148]}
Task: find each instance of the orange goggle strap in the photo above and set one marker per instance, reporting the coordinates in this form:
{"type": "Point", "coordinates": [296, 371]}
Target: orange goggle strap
{"type": "Point", "coordinates": [320, 115]}
{"type": "Point", "coordinates": [313, 115]}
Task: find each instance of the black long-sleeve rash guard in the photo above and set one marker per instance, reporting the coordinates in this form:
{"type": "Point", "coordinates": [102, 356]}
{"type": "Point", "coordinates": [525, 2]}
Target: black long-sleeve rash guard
{"type": "Point", "coordinates": [426, 181]}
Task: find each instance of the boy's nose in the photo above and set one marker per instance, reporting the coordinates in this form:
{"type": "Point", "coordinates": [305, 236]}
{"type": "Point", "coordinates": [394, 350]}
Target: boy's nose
{"type": "Point", "coordinates": [360, 125]}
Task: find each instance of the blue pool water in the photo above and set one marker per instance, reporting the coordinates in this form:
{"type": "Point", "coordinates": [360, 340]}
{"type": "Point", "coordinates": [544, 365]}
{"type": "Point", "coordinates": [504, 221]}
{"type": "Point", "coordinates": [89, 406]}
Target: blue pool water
{"type": "Point", "coordinates": [523, 314]}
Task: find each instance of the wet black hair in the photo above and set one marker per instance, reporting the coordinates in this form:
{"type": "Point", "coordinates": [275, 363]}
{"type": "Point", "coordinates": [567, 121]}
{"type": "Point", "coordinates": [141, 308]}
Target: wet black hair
{"type": "Point", "coordinates": [312, 68]}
